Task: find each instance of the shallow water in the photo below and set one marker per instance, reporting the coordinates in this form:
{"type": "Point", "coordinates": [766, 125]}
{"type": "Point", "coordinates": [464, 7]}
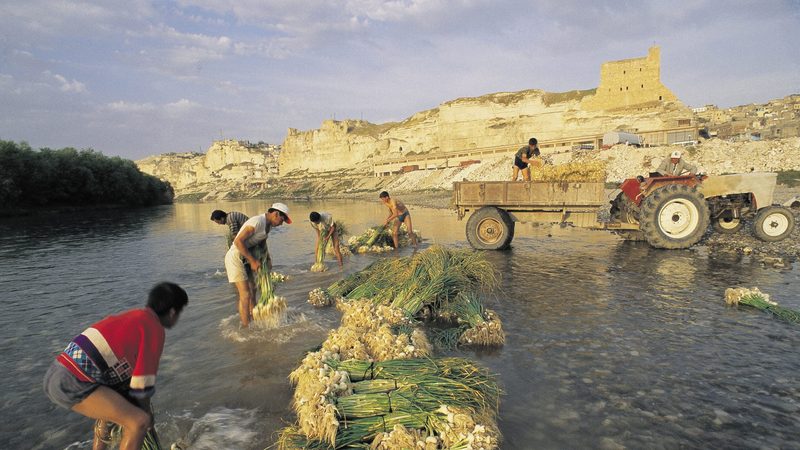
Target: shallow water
{"type": "Point", "coordinates": [609, 344]}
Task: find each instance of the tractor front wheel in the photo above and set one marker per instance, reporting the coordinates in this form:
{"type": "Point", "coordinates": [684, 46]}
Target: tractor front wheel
{"type": "Point", "coordinates": [773, 223]}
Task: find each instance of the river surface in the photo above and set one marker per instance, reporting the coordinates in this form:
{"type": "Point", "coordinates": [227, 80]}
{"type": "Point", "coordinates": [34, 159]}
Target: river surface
{"type": "Point", "coordinates": [610, 344]}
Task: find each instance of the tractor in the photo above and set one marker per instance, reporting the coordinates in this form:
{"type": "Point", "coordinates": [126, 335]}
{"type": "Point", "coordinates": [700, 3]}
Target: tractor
{"type": "Point", "coordinates": [675, 211]}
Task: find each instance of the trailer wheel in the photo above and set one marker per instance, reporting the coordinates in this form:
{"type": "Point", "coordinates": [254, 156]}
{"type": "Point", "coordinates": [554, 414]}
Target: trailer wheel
{"type": "Point", "coordinates": [773, 223]}
{"type": "Point", "coordinates": [727, 225]}
{"type": "Point", "coordinates": [674, 216]}
{"type": "Point", "coordinates": [490, 228]}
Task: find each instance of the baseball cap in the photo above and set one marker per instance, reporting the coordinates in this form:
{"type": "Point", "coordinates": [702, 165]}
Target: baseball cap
{"type": "Point", "coordinates": [675, 154]}
{"type": "Point", "coordinates": [284, 209]}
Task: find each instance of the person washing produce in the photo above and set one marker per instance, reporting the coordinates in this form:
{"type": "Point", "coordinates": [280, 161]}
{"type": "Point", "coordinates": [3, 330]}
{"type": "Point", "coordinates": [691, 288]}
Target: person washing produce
{"type": "Point", "coordinates": [398, 210]}
{"type": "Point", "coordinates": [108, 372]}
{"type": "Point", "coordinates": [254, 232]}
{"type": "Point", "coordinates": [326, 229]}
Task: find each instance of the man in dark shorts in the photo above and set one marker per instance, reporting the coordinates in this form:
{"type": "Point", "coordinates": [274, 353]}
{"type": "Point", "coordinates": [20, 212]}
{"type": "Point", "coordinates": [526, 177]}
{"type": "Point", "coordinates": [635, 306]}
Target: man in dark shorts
{"type": "Point", "coordinates": [523, 159]}
{"type": "Point", "coordinates": [108, 372]}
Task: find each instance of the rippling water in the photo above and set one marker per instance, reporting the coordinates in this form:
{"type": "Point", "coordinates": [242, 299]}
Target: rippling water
{"type": "Point", "coordinates": [610, 344]}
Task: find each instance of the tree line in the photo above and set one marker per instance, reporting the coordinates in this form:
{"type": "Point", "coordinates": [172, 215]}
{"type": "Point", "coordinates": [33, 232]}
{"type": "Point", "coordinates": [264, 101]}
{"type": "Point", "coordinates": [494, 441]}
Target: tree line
{"type": "Point", "coordinates": [70, 177]}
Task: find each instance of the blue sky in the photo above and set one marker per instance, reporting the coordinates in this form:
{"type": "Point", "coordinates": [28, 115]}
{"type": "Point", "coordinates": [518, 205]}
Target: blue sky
{"type": "Point", "coordinates": [137, 77]}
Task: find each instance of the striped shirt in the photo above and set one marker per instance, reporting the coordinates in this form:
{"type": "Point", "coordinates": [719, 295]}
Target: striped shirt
{"type": "Point", "coordinates": [235, 220]}
{"type": "Point", "coordinates": [121, 352]}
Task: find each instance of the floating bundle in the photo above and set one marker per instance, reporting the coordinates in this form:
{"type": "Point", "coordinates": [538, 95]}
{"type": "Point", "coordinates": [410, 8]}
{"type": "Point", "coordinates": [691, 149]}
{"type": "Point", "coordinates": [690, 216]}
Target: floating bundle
{"type": "Point", "coordinates": [320, 297]}
{"type": "Point", "coordinates": [270, 309]}
{"type": "Point", "coordinates": [378, 239]}
{"type": "Point", "coordinates": [759, 300]}
{"type": "Point", "coordinates": [572, 171]}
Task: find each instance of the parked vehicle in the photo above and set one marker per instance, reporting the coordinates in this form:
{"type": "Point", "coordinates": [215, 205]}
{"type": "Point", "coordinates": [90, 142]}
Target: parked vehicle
{"type": "Point", "coordinates": [668, 212]}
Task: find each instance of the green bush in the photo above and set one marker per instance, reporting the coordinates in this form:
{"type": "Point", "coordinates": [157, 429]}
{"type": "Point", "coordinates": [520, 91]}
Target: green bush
{"type": "Point", "coordinates": [789, 178]}
{"type": "Point", "coordinates": [70, 177]}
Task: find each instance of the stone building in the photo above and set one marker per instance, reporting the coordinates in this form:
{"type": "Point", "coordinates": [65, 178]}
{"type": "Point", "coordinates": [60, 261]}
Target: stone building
{"type": "Point", "coordinates": [628, 83]}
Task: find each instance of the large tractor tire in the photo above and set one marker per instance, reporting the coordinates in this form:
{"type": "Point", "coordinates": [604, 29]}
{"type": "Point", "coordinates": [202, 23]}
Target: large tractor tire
{"type": "Point", "coordinates": [674, 216]}
{"type": "Point", "coordinates": [624, 210]}
{"type": "Point", "coordinates": [727, 225]}
{"type": "Point", "coordinates": [490, 228]}
{"type": "Point", "coordinates": [773, 223]}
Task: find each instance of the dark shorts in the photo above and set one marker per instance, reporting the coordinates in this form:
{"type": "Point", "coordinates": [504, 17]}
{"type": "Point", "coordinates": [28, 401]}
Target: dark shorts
{"type": "Point", "coordinates": [63, 388]}
{"type": "Point", "coordinates": [520, 163]}
{"type": "Point", "coordinates": [402, 217]}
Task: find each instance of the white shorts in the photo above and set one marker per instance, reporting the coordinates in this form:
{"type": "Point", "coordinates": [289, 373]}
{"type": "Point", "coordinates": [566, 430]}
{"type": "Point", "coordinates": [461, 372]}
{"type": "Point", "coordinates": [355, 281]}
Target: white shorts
{"type": "Point", "coordinates": [234, 266]}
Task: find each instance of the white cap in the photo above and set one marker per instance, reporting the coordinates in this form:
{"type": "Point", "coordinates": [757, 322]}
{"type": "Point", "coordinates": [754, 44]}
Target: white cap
{"type": "Point", "coordinates": [284, 209]}
{"type": "Point", "coordinates": [676, 154]}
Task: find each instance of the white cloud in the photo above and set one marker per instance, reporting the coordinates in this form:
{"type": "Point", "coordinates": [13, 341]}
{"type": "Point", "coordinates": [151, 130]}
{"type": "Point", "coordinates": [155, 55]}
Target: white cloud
{"type": "Point", "coordinates": [69, 86]}
{"type": "Point", "coordinates": [129, 107]}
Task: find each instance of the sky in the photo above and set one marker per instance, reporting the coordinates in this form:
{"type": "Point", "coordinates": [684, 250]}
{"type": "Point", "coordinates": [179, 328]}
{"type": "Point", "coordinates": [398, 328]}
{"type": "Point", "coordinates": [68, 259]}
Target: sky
{"type": "Point", "coordinates": [133, 78]}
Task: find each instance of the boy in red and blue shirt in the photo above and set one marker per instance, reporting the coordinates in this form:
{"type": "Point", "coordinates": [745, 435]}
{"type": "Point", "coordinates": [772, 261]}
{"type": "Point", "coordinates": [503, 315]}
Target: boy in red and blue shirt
{"type": "Point", "coordinates": [108, 372]}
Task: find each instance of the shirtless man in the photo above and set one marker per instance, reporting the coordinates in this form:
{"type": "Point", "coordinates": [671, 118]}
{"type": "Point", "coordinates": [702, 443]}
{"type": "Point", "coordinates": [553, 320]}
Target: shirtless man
{"type": "Point", "coordinates": [397, 210]}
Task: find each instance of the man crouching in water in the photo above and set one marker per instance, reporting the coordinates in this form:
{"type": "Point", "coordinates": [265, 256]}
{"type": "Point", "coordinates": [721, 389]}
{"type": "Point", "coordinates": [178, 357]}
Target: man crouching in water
{"type": "Point", "coordinates": [108, 372]}
{"type": "Point", "coordinates": [254, 232]}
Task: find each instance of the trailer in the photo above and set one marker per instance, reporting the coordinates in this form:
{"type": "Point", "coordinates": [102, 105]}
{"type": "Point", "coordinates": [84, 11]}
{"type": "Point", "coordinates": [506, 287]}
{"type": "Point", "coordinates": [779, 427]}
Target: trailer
{"type": "Point", "coordinates": [496, 206]}
{"type": "Point", "coordinates": [668, 212]}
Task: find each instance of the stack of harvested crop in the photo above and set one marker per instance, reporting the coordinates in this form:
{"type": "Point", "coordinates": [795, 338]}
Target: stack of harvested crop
{"type": "Point", "coordinates": [438, 282]}
{"type": "Point", "coordinates": [759, 300]}
{"type": "Point", "coordinates": [574, 171]}
{"type": "Point", "coordinates": [403, 403]}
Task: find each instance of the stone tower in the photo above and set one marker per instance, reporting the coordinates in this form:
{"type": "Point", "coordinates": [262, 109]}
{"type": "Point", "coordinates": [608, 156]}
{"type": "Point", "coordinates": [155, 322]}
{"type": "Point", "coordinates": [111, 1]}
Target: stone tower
{"type": "Point", "coordinates": [631, 83]}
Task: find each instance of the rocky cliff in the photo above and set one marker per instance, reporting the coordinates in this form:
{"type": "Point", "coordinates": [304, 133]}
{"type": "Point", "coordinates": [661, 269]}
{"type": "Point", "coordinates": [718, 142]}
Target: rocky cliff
{"type": "Point", "coordinates": [225, 161]}
{"type": "Point", "coordinates": [499, 119]}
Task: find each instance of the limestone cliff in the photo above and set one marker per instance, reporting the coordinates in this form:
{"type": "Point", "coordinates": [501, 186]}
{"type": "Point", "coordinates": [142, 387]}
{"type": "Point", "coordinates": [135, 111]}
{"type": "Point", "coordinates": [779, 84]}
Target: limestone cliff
{"type": "Point", "coordinates": [225, 161]}
{"type": "Point", "coordinates": [467, 123]}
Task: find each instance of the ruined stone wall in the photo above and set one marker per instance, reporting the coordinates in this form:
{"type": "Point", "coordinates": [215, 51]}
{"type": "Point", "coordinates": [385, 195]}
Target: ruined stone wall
{"type": "Point", "coordinates": [631, 82]}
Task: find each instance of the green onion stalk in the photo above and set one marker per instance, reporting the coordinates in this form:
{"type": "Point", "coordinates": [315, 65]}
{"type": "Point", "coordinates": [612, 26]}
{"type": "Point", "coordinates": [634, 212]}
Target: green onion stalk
{"type": "Point", "coordinates": [759, 300]}
{"type": "Point", "coordinates": [322, 242]}
{"type": "Point", "coordinates": [270, 309]}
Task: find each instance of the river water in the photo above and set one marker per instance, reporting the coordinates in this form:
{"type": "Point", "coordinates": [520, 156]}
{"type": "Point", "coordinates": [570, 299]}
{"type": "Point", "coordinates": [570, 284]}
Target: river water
{"type": "Point", "coordinates": [610, 344]}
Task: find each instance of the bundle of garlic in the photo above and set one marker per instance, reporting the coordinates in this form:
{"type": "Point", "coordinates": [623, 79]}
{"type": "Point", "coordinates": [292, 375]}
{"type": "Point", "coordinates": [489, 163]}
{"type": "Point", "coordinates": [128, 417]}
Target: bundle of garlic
{"type": "Point", "coordinates": [319, 297]}
{"type": "Point", "coordinates": [488, 332]}
{"type": "Point", "coordinates": [458, 430]}
{"type": "Point", "coordinates": [402, 438]}
{"type": "Point", "coordinates": [317, 387]}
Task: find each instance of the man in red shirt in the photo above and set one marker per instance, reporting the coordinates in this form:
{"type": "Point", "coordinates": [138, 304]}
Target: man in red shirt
{"type": "Point", "coordinates": [108, 372]}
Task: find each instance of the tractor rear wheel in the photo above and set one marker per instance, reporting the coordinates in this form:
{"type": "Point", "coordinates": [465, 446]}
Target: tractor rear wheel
{"type": "Point", "coordinates": [727, 225]}
{"type": "Point", "coordinates": [674, 216]}
{"type": "Point", "coordinates": [773, 223]}
{"type": "Point", "coordinates": [624, 210]}
{"type": "Point", "coordinates": [490, 228]}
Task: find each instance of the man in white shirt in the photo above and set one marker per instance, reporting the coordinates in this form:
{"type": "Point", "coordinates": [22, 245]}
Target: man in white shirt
{"type": "Point", "coordinates": [674, 166]}
{"type": "Point", "coordinates": [254, 232]}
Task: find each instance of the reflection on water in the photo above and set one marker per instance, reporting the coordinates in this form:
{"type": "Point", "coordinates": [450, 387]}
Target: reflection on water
{"type": "Point", "coordinates": [609, 344]}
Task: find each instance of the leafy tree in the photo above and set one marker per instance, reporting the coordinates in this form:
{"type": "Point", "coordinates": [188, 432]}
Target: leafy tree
{"type": "Point", "coordinates": [74, 177]}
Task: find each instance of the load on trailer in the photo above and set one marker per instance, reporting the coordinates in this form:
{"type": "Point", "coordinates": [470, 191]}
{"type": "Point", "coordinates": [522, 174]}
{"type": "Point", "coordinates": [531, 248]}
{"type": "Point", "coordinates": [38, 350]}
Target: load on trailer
{"type": "Point", "coordinates": [668, 212]}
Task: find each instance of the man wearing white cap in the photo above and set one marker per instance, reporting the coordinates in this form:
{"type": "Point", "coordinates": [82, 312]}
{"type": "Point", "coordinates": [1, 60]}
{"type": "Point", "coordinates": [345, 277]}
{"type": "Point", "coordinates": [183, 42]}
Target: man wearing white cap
{"type": "Point", "coordinates": [674, 166]}
{"type": "Point", "coordinates": [253, 232]}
